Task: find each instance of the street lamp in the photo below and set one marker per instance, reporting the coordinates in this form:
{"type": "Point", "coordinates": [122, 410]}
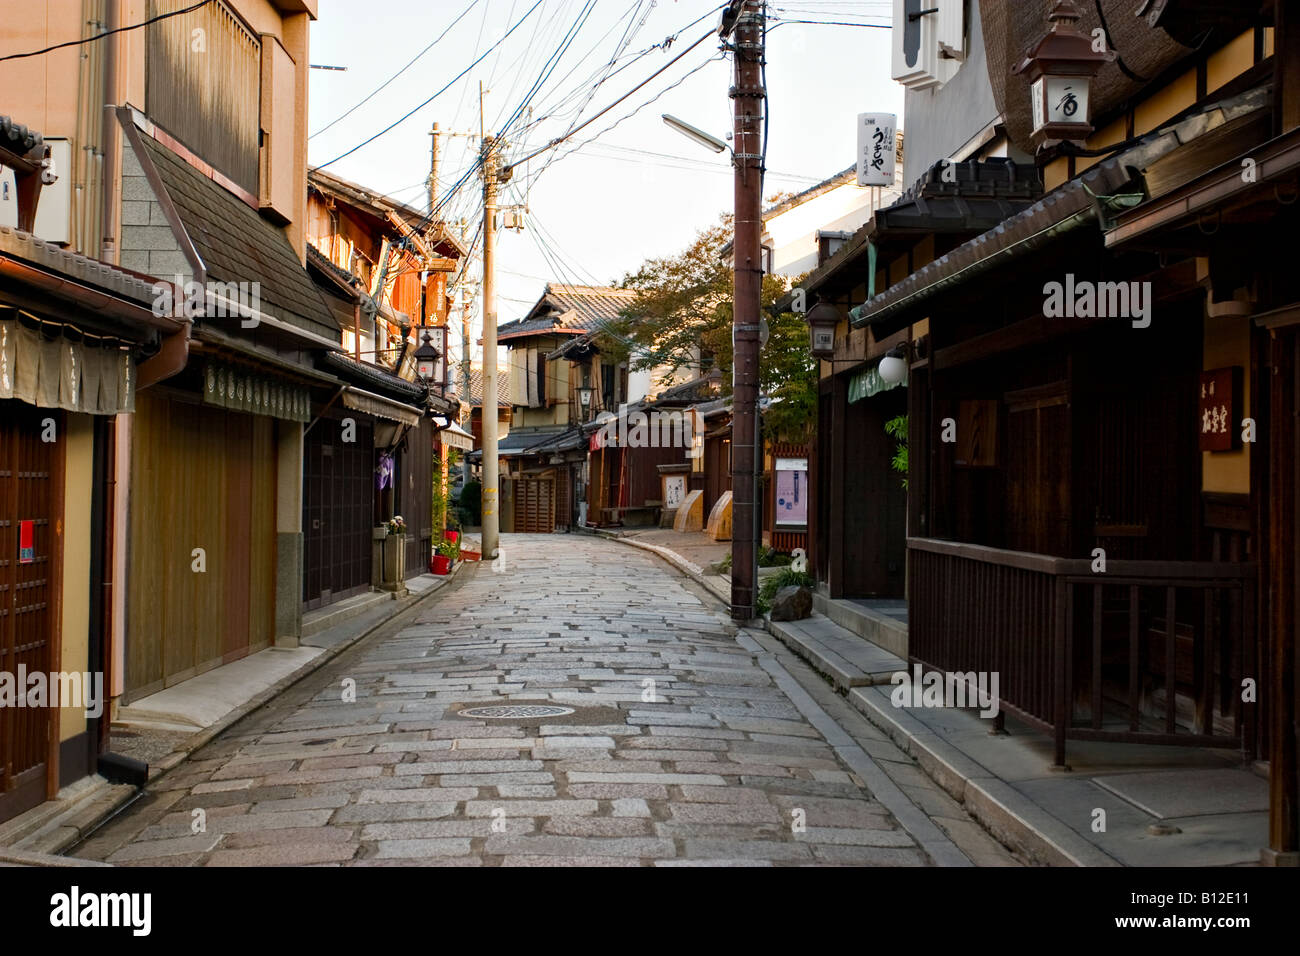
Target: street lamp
{"type": "Point", "coordinates": [426, 360]}
{"type": "Point", "coordinates": [1060, 68]}
{"type": "Point", "coordinates": [584, 399]}
{"type": "Point", "coordinates": [697, 135]}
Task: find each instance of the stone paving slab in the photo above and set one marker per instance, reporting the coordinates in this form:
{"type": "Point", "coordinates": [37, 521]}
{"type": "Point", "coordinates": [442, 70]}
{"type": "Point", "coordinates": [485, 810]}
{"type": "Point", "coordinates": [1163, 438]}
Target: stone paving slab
{"type": "Point", "coordinates": [716, 763]}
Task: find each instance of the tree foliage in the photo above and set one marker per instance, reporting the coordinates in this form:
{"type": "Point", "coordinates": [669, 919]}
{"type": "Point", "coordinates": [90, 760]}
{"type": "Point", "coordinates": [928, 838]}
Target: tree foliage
{"type": "Point", "coordinates": [681, 321]}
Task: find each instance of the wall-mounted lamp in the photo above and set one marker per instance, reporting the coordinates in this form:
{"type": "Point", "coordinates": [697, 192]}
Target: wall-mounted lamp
{"type": "Point", "coordinates": [822, 320]}
{"type": "Point", "coordinates": [893, 367]}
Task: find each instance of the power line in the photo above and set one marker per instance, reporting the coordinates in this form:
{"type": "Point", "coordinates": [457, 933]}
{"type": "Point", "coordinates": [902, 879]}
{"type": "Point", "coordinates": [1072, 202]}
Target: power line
{"type": "Point", "coordinates": [422, 105]}
{"type": "Point", "coordinates": [106, 33]}
{"type": "Point", "coordinates": [376, 90]}
{"type": "Point", "coordinates": [584, 125]}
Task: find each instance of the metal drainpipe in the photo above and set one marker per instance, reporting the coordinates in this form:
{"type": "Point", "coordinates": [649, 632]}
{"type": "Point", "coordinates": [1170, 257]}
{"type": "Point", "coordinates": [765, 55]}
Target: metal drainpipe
{"type": "Point", "coordinates": [110, 139]}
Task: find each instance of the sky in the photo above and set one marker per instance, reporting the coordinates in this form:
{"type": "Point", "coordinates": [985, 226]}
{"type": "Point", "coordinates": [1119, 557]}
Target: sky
{"type": "Point", "coordinates": [627, 193]}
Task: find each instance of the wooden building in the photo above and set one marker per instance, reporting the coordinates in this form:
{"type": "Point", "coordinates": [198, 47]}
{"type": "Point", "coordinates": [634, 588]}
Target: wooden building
{"type": "Point", "coordinates": [382, 269]}
{"type": "Point", "coordinates": [72, 333]}
{"type": "Point", "coordinates": [1102, 404]}
{"type": "Point", "coordinates": [553, 358]}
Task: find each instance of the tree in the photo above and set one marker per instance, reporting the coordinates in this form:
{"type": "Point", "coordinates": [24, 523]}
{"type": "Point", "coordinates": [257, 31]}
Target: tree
{"type": "Point", "coordinates": [681, 319]}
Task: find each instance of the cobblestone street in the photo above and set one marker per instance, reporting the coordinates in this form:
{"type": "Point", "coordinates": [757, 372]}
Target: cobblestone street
{"type": "Point", "coordinates": [682, 746]}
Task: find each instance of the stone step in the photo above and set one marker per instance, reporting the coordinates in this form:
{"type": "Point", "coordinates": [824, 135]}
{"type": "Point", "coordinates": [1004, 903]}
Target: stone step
{"type": "Point", "coordinates": [313, 622]}
{"type": "Point", "coordinates": [836, 653]}
{"type": "Point", "coordinates": [875, 626]}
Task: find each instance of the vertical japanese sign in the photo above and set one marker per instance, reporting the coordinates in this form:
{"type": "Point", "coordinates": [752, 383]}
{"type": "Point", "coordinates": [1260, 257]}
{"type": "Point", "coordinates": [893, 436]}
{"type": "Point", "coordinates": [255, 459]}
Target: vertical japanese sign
{"type": "Point", "coordinates": [877, 145]}
{"type": "Point", "coordinates": [1219, 409]}
{"type": "Point", "coordinates": [26, 542]}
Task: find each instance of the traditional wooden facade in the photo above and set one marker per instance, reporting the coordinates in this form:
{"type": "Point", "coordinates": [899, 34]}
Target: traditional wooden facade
{"type": "Point", "coordinates": [1101, 400]}
{"type": "Point", "coordinates": [71, 335]}
{"type": "Point", "coordinates": [383, 270]}
{"type": "Point", "coordinates": [545, 474]}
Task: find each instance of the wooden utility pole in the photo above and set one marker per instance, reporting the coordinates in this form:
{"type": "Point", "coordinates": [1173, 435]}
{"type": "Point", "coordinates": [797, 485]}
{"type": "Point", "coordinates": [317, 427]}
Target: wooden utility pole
{"type": "Point", "coordinates": [748, 95]}
{"type": "Point", "coordinates": [465, 367]}
{"type": "Point", "coordinates": [433, 168]}
{"type": "Point", "coordinates": [491, 479]}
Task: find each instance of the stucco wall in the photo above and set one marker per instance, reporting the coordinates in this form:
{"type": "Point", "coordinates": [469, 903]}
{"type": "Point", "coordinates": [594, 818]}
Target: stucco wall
{"type": "Point", "coordinates": [940, 121]}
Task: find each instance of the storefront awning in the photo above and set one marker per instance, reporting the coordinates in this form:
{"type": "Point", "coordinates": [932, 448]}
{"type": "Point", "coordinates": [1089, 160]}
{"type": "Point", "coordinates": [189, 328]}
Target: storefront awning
{"type": "Point", "coordinates": [868, 383]}
{"type": "Point", "coordinates": [76, 374]}
{"type": "Point", "coordinates": [380, 407]}
{"type": "Point", "coordinates": [453, 436]}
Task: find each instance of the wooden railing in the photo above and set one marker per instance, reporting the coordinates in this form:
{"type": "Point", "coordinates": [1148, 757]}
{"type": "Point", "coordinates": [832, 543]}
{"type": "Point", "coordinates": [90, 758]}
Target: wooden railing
{"type": "Point", "coordinates": [1084, 654]}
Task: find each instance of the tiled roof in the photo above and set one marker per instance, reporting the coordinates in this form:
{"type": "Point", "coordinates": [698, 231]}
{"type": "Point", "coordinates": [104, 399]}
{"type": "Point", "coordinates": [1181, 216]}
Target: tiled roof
{"type": "Point", "coordinates": [381, 205]}
{"type": "Point", "coordinates": [569, 309]}
{"type": "Point", "coordinates": [79, 268]}
{"type": "Point", "coordinates": [373, 377]}
{"type": "Point", "coordinates": [238, 245]}
{"type": "Point", "coordinates": [476, 387]}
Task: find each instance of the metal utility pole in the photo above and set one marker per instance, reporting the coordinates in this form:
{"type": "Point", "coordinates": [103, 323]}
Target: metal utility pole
{"type": "Point", "coordinates": [748, 95]}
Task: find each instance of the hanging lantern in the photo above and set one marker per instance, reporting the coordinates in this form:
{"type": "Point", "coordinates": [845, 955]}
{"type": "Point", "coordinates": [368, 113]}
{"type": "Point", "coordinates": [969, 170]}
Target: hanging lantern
{"type": "Point", "coordinates": [822, 320]}
{"type": "Point", "coordinates": [1060, 69]}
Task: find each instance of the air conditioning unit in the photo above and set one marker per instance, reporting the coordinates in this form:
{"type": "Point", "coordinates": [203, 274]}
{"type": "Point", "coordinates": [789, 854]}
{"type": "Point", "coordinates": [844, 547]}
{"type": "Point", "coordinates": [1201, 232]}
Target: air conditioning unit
{"type": "Point", "coordinates": [54, 208]}
{"type": "Point", "coordinates": [929, 41]}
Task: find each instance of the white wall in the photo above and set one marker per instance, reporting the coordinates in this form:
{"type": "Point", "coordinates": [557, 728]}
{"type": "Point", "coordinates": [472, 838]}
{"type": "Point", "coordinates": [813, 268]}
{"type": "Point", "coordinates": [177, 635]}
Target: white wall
{"type": "Point", "coordinates": [846, 208]}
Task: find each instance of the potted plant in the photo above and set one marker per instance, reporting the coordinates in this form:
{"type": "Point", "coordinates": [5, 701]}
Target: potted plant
{"type": "Point", "coordinates": [446, 553]}
{"type": "Point", "coordinates": [394, 552]}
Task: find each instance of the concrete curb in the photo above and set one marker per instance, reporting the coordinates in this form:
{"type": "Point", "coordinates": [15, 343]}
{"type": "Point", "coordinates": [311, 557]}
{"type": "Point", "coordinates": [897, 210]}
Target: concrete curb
{"type": "Point", "coordinates": [59, 842]}
{"type": "Point", "coordinates": [1011, 818]}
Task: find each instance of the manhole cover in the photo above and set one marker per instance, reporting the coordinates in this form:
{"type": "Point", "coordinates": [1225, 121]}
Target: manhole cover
{"type": "Point", "coordinates": [516, 710]}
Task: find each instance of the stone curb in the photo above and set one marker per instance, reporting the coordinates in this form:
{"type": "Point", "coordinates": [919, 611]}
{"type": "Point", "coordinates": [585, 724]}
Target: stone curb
{"type": "Point", "coordinates": [1009, 816]}
{"type": "Point", "coordinates": [1014, 819]}
{"type": "Point", "coordinates": [59, 841]}
{"type": "Point", "coordinates": [910, 817]}
{"type": "Point", "coordinates": [710, 582]}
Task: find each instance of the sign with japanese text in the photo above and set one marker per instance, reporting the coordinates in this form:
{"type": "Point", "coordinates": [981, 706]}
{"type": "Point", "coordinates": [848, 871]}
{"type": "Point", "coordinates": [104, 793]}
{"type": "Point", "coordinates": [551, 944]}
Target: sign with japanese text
{"type": "Point", "coordinates": [1219, 409]}
{"type": "Point", "coordinates": [877, 146]}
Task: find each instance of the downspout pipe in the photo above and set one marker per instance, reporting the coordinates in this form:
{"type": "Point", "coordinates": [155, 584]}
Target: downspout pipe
{"type": "Point", "coordinates": [110, 138]}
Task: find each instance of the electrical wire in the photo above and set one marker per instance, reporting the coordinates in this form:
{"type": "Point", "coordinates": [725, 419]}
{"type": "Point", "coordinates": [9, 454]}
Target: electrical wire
{"type": "Point", "coordinates": [444, 89]}
{"type": "Point", "coordinates": [106, 33]}
{"type": "Point", "coordinates": [639, 86]}
{"type": "Point", "coordinates": [464, 13]}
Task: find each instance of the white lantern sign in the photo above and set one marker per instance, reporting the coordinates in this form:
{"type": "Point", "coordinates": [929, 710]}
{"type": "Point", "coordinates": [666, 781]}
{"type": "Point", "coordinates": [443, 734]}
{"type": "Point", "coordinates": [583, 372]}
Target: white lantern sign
{"type": "Point", "coordinates": [877, 146]}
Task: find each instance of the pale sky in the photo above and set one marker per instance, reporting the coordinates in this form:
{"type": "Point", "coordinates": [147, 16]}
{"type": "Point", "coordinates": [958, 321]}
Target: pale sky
{"type": "Point", "coordinates": [601, 210]}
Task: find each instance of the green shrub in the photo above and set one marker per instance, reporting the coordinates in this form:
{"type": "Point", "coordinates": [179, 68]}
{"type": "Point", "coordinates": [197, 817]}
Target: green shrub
{"type": "Point", "coordinates": [782, 579]}
{"type": "Point", "coordinates": [771, 558]}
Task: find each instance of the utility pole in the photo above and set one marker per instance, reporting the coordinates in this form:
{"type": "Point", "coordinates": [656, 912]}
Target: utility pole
{"type": "Point", "coordinates": [749, 97]}
{"type": "Point", "coordinates": [465, 367]}
{"type": "Point", "coordinates": [433, 168]}
{"type": "Point", "coordinates": [491, 478]}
